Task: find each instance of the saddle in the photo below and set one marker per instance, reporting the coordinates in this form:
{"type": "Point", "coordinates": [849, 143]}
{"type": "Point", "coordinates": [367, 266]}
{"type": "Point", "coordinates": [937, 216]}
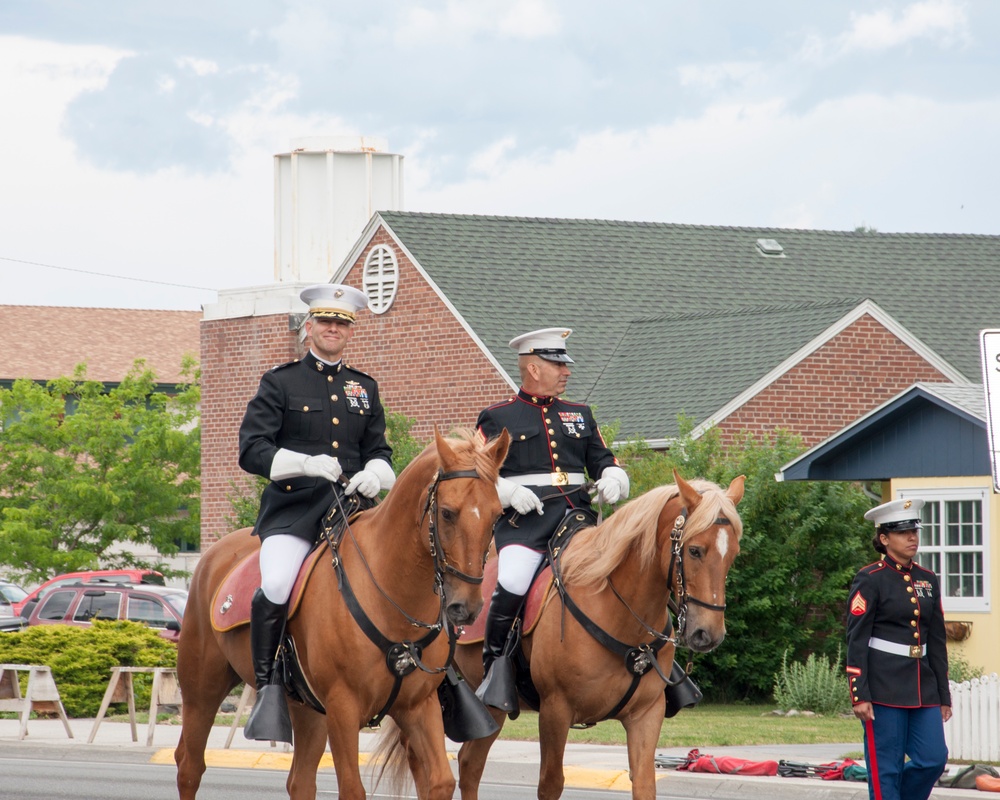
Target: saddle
{"type": "Point", "coordinates": [231, 603]}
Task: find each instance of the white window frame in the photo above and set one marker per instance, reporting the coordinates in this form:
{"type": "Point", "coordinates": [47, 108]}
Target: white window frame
{"type": "Point", "coordinates": [973, 493]}
{"type": "Point", "coordinates": [378, 282]}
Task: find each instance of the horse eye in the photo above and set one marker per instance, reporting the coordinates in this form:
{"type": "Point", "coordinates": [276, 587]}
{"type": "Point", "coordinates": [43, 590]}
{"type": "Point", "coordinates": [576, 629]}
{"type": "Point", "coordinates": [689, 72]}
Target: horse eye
{"type": "Point", "coordinates": [448, 515]}
{"type": "Point", "coordinates": [696, 552]}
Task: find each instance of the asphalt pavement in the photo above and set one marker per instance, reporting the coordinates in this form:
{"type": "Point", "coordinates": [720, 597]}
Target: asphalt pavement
{"type": "Point", "coordinates": [586, 766]}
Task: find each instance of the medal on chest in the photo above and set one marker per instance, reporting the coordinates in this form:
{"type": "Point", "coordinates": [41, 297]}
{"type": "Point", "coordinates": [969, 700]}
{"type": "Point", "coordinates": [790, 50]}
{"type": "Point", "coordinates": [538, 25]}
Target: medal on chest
{"type": "Point", "coordinates": [356, 395]}
{"type": "Point", "coordinates": [924, 589]}
{"type": "Point", "coordinates": [572, 422]}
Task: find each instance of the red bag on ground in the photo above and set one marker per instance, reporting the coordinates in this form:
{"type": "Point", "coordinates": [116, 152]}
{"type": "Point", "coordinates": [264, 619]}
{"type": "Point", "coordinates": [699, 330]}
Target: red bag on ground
{"type": "Point", "coordinates": [728, 765]}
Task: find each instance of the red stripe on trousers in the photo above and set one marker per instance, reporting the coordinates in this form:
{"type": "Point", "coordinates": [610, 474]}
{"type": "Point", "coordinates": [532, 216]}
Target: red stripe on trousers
{"type": "Point", "coordinates": [872, 759]}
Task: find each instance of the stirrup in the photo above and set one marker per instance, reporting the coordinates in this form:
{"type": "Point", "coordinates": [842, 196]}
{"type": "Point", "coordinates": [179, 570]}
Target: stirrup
{"type": "Point", "coordinates": [269, 720]}
{"type": "Point", "coordinates": [498, 689]}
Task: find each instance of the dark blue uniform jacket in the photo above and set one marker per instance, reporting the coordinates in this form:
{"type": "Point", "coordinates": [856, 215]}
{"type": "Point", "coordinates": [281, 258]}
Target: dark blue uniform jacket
{"type": "Point", "coordinates": [901, 605]}
{"type": "Point", "coordinates": [547, 435]}
{"type": "Point", "coordinates": [309, 407]}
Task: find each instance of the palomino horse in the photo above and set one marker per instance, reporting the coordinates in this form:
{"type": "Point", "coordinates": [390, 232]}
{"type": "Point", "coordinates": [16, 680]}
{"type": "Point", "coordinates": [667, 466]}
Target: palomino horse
{"type": "Point", "coordinates": [616, 579]}
{"type": "Point", "coordinates": [411, 561]}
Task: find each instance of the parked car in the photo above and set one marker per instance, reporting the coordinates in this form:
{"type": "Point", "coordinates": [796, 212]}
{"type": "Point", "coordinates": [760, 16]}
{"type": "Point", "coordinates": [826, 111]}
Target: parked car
{"type": "Point", "coordinates": [25, 606]}
{"type": "Point", "coordinates": [10, 620]}
{"type": "Point", "coordinates": [80, 603]}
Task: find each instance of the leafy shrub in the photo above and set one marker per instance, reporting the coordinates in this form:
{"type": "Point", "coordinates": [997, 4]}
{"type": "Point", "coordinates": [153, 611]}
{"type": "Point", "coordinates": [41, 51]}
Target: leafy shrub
{"type": "Point", "coordinates": [817, 685]}
{"type": "Point", "coordinates": [81, 658]}
{"type": "Point", "coordinates": [960, 670]}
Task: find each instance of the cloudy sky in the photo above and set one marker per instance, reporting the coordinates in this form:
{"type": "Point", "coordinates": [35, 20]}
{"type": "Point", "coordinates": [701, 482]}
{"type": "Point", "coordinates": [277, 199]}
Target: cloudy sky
{"type": "Point", "coordinates": [136, 137]}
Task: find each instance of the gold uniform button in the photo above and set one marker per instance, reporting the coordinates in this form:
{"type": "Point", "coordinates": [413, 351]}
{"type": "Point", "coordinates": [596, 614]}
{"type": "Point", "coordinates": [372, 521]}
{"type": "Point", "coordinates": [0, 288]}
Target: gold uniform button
{"type": "Point", "coordinates": [362, 412]}
{"type": "Point", "coordinates": [336, 421]}
{"type": "Point", "coordinates": [913, 623]}
{"type": "Point", "coordinates": [555, 456]}
{"type": "Point", "coordinates": [554, 444]}
{"type": "Point", "coordinates": [288, 488]}
{"type": "Point", "coordinates": [916, 634]}
{"type": "Point", "coordinates": [305, 408]}
{"type": "Point", "coordinates": [523, 437]}
{"type": "Point", "coordinates": [909, 589]}
{"type": "Point", "coordinates": [333, 397]}
{"type": "Point", "coordinates": [551, 432]}
{"type": "Point", "coordinates": [548, 421]}
{"type": "Point", "coordinates": [336, 445]}
{"type": "Point", "coordinates": [906, 577]}
{"type": "Point", "coordinates": [913, 599]}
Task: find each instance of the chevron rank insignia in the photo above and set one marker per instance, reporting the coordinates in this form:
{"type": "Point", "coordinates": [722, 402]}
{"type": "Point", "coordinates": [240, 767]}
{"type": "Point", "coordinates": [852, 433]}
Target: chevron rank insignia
{"type": "Point", "coordinates": [858, 605]}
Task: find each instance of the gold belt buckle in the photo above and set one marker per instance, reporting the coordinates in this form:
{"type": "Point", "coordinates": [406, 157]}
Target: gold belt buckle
{"type": "Point", "coordinates": [916, 651]}
{"type": "Point", "coordinates": [560, 479]}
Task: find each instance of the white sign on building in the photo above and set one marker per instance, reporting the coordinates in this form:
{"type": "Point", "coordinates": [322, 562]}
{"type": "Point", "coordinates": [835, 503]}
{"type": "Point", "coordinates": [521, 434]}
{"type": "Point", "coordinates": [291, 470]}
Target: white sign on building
{"type": "Point", "coordinates": [990, 348]}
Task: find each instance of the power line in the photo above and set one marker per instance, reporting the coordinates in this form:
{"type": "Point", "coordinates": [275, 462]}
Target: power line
{"type": "Point", "coordinates": [108, 275]}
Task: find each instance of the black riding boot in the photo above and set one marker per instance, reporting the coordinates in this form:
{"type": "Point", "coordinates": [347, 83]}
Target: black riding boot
{"type": "Point", "coordinates": [269, 720]}
{"type": "Point", "coordinates": [498, 689]}
{"type": "Point", "coordinates": [681, 691]}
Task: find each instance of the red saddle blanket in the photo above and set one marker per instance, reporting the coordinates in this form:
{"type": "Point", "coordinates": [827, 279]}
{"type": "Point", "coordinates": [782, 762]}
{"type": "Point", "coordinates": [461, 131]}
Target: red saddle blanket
{"type": "Point", "coordinates": [538, 596]}
{"type": "Point", "coordinates": [231, 604]}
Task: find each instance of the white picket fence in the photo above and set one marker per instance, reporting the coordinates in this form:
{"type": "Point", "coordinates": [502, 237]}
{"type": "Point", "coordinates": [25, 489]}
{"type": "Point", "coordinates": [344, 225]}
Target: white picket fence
{"type": "Point", "coordinates": [973, 732]}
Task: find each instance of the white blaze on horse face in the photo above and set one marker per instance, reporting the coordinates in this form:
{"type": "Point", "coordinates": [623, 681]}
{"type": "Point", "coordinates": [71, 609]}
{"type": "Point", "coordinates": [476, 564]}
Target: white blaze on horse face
{"type": "Point", "coordinates": [475, 510]}
{"type": "Point", "coordinates": [722, 542]}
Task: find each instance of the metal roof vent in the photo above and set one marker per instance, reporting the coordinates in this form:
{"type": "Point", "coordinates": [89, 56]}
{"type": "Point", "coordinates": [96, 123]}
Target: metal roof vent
{"type": "Point", "coordinates": [380, 278]}
{"type": "Point", "coordinates": [770, 247]}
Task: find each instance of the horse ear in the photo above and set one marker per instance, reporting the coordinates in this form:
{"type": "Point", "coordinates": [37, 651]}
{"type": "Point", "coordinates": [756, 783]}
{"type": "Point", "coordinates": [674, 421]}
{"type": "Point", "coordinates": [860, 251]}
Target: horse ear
{"type": "Point", "coordinates": [688, 492]}
{"type": "Point", "coordinates": [498, 448]}
{"type": "Point", "coordinates": [735, 490]}
{"type": "Point", "coordinates": [446, 455]}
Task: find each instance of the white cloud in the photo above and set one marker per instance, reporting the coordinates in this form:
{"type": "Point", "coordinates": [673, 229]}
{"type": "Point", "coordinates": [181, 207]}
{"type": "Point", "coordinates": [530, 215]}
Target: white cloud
{"type": "Point", "coordinates": [199, 66]}
{"type": "Point", "coordinates": [941, 20]}
{"type": "Point", "coordinates": [759, 164]}
{"type": "Point", "coordinates": [459, 20]}
{"type": "Point", "coordinates": [715, 76]}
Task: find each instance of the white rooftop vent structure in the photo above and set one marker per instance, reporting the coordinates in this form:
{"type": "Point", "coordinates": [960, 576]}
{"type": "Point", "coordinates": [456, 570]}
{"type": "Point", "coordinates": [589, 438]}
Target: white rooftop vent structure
{"type": "Point", "coordinates": [770, 247]}
{"type": "Point", "coordinates": [325, 191]}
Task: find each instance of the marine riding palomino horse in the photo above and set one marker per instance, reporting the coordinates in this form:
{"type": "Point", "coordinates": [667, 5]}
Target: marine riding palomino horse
{"type": "Point", "coordinates": [371, 630]}
{"type": "Point", "coordinates": [603, 643]}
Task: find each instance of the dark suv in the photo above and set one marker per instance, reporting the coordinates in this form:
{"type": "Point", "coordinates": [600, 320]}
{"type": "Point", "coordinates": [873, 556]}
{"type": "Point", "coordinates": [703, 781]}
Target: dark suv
{"type": "Point", "coordinates": [78, 604]}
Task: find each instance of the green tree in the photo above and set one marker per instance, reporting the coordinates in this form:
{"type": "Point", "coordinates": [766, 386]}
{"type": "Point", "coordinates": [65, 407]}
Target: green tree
{"type": "Point", "coordinates": [802, 543]}
{"type": "Point", "coordinates": [86, 471]}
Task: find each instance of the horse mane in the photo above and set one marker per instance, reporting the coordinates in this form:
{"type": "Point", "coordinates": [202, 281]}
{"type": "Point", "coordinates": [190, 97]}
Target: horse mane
{"type": "Point", "coordinates": [596, 551]}
{"type": "Point", "coordinates": [471, 449]}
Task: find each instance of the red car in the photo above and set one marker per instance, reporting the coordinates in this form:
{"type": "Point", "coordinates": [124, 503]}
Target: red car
{"type": "Point", "coordinates": [25, 605]}
{"type": "Point", "coordinates": [80, 603]}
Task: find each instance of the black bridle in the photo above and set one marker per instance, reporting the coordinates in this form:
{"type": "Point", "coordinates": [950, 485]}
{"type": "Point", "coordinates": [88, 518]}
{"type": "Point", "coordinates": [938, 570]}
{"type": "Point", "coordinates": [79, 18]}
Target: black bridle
{"type": "Point", "coordinates": [404, 657]}
{"type": "Point", "coordinates": [679, 588]}
{"type": "Point", "coordinates": [638, 659]}
{"type": "Point", "coordinates": [441, 565]}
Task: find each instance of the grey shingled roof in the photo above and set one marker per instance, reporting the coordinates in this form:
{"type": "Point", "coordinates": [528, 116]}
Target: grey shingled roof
{"type": "Point", "coordinates": [683, 317]}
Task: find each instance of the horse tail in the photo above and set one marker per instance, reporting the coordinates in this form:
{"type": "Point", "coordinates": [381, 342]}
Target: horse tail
{"type": "Point", "coordinates": [389, 759]}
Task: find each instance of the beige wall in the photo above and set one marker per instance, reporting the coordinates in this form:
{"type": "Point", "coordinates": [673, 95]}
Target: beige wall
{"type": "Point", "coordinates": [982, 648]}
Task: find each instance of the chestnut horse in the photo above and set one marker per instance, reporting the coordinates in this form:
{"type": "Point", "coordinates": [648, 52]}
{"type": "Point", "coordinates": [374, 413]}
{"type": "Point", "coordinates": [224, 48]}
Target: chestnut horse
{"type": "Point", "coordinates": [679, 539]}
{"type": "Point", "coordinates": [411, 561]}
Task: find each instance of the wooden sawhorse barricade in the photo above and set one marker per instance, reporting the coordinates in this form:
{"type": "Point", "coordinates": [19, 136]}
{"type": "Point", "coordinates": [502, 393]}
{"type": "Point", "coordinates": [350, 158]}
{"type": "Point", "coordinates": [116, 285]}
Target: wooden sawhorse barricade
{"type": "Point", "coordinates": [41, 694]}
{"type": "Point", "coordinates": [165, 691]}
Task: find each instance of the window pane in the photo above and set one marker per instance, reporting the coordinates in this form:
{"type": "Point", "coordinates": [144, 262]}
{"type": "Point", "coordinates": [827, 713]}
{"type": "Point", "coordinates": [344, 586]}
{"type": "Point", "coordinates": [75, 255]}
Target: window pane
{"type": "Point", "coordinates": [103, 606]}
{"type": "Point", "coordinates": [56, 605]}
{"type": "Point", "coordinates": [148, 611]}
{"type": "Point", "coordinates": [930, 533]}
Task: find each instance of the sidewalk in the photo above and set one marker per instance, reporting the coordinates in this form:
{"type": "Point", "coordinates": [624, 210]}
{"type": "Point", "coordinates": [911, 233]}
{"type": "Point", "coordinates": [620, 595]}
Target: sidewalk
{"type": "Point", "coordinates": [587, 766]}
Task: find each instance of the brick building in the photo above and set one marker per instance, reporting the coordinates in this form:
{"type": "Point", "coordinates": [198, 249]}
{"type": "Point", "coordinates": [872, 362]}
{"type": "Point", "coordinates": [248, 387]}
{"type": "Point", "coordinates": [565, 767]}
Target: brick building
{"type": "Point", "coordinates": [745, 329]}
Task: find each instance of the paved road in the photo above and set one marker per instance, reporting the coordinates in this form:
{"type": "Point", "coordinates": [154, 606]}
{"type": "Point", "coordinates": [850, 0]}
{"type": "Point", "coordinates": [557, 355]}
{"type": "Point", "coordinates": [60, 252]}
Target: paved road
{"type": "Point", "coordinates": [592, 767]}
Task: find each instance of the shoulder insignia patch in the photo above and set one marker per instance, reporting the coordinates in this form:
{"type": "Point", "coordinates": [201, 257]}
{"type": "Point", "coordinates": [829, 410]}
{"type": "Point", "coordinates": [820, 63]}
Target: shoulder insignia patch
{"type": "Point", "coordinates": [858, 605]}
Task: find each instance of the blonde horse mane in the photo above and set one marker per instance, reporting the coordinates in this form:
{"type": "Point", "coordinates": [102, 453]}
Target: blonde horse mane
{"type": "Point", "coordinates": [471, 450]}
{"type": "Point", "coordinates": [595, 552]}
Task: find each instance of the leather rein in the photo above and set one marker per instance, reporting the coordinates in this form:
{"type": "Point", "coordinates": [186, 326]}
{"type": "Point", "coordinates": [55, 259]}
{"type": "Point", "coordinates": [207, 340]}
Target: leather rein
{"type": "Point", "coordinates": [638, 659]}
{"type": "Point", "coordinates": [403, 657]}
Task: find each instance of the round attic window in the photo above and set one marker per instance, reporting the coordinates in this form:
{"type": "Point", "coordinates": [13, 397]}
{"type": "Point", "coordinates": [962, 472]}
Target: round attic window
{"type": "Point", "coordinates": [380, 278]}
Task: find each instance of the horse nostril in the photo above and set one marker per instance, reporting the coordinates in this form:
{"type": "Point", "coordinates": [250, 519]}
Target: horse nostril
{"type": "Point", "coordinates": [458, 613]}
{"type": "Point", "coordinates": [700, 640]}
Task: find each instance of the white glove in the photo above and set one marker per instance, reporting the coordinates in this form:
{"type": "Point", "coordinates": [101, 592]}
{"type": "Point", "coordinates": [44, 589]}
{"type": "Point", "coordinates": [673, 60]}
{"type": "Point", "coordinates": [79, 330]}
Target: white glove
{"type": "Point", "coordinates": [612, 486]}
{"type": "Point", "coordinates": [520, 498]}
{"type": "Point", "coordinates": [376, 476]}
{"type": "Point", "coordinates": [289, 464]}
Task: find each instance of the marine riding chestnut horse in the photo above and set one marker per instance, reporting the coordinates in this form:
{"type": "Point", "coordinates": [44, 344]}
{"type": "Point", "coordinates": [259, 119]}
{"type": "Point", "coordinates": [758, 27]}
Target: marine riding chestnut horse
{"type": "Point", "coordinates": [603, 643]}
{"type": "Point", "coordinates": [412, 564]}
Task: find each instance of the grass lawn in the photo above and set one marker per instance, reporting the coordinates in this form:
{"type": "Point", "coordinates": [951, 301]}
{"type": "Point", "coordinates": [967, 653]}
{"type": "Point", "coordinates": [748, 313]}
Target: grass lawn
{"type": "Point", "coordinates": [703, 726]}
{"type": "Point", "coordinates": [712, 725]}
